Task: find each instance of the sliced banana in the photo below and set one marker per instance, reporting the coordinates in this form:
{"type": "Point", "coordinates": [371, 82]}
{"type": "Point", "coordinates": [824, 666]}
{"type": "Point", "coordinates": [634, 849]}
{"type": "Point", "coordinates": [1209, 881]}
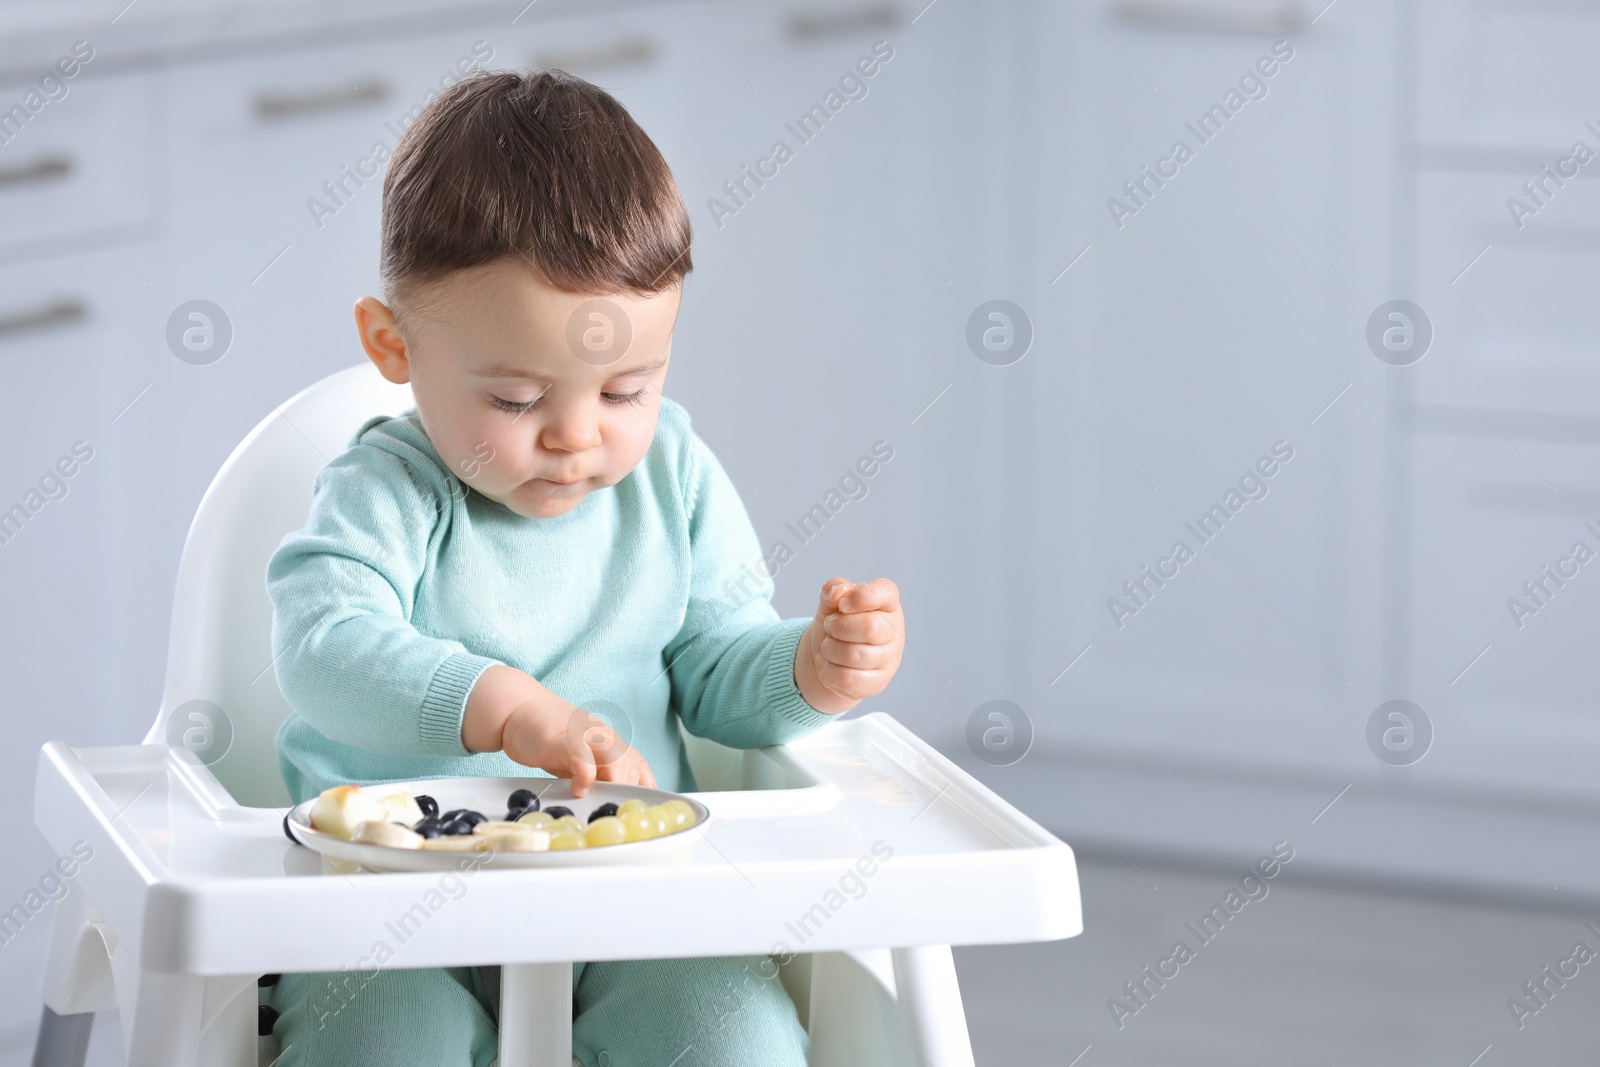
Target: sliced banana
{"type": "Point", "coordinates": [403, 808]}
{"type": "Point", "coordinates": [341, 808]}
{"type": "Point", "coordinates": [496, 826]}
{"type": "Point", "coordinates": [388, 834]}
{"type": "Point", "coordinates": [523, 840]}
{"type": "Point", "coordinates": [457, 843]}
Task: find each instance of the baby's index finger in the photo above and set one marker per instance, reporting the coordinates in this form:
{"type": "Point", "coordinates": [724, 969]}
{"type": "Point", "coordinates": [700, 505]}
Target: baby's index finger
{"type": "Point", "coordinates": [880, 594]}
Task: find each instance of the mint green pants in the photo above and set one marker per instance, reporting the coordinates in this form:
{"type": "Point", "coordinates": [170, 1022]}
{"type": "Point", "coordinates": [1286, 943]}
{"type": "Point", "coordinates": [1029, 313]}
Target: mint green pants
{"type": "Point", "coordinates": [727, 1011]}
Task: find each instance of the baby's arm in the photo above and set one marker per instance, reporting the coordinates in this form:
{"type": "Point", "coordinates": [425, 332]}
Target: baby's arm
{"type": "Point", "coordinates": [343, 589]}
{"type": "Point", "coordinates": [740, 674]}
{"type": "Point", "coordinates": [350, 662]}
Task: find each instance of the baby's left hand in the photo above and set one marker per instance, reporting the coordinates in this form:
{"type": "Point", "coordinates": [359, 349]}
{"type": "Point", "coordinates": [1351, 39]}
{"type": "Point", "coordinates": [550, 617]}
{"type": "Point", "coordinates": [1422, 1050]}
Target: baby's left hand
{"type": "Point", "coordinates": [853, 646]}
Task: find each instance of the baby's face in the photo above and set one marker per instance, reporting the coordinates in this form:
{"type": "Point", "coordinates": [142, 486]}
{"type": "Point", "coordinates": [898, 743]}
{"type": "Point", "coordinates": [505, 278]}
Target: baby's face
{"type": "Point", "coordinates": [535, 397]}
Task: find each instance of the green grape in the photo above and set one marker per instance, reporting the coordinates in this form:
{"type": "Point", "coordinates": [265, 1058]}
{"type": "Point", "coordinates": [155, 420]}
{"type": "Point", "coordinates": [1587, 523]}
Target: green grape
{"type": "Point", "coordinates": [640, 825]}
{"type": "Point", "coordinates": [606, 830]}
{"type": "Point", "coordinates": [680, 816]}
{"type": "Point", "coordinates": [566, 838]}
{"type": "Point", "coordinates": [665, 816]}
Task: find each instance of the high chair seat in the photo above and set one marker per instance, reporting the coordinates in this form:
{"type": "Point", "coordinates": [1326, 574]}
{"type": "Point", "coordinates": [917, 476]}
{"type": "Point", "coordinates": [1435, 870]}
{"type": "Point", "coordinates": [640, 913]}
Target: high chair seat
{"type": "Point", "coordinates": [855, 856]}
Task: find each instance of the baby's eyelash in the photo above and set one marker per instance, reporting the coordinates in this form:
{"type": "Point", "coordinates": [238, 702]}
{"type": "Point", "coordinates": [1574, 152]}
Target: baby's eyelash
{"type": "Point", "coordinates": [523, 407]}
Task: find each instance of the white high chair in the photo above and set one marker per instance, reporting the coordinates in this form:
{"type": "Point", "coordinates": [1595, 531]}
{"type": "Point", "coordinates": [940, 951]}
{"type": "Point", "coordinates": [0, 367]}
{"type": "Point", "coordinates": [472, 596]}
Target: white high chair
{"type": "Point", "coordinates": [192, 891]}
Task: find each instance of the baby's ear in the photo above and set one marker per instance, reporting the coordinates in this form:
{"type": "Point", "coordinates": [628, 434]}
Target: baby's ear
{"type": "Point", "coordinates": [380, 338]}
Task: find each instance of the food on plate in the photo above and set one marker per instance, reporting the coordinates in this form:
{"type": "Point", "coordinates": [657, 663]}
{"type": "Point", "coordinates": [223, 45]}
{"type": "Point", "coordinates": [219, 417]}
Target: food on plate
{"type": "Point", "coordinates": [403, 809]}
{"type": "Point", "coordinates": [341, 808]}
{"type": "Point", "coordinates": [680, 814]}
{"type": "Point", "coordinates": [642, 824]}
{"type": "Point", "coordinates": [401, 820]}
{"type": "Point", "coordinates": [520, 803]}
{"type": "Point", "coordinates": [567, 837]}
{"type": "Point", "coordinates": [388, 834]}
{"type": "Point", "coordinates": [459, 843]}
{"type": "Point", "coordinates": [606, 830]}
{"type": "Point", "coordinates": [513, 836]}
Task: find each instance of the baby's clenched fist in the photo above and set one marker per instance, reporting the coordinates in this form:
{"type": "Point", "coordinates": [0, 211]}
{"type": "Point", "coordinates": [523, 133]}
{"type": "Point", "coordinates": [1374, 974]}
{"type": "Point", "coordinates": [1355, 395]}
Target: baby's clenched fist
{"type": "Point", "coordinates": [853, 645]}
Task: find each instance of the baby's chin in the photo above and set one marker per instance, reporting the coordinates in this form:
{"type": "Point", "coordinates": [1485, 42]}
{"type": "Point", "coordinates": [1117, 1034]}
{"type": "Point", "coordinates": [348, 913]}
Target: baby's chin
{"type": "Point", "coordinates": [535, 501]}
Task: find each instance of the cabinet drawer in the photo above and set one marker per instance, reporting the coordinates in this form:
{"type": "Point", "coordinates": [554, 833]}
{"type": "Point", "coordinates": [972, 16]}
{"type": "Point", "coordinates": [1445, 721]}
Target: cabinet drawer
{"type": "Point", "coordinates": [1517, 329]}
{"type": "Point", "coordinates": [1499, 74]}
{"type": "Point", "coordinates": [81, 164]}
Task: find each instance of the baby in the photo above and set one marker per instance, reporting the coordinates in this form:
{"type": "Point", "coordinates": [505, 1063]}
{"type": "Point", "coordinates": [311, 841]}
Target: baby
{"type": "Point", "coordinates": [540, 569]}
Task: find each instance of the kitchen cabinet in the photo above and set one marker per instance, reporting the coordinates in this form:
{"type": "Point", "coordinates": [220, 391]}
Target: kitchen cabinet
{"type": "Point", "coordinates": [82, 171]}
{"type": "Point", "coordinates": [1501, 413]}
{"type": "Point", "coordinates": [1215, 315]}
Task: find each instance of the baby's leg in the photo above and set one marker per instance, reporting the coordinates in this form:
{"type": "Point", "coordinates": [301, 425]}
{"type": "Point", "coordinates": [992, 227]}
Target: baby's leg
{"type": "Point", "coordinates": [724, 1011]}
{"type": "Point", "coordinates": [389, 1018]}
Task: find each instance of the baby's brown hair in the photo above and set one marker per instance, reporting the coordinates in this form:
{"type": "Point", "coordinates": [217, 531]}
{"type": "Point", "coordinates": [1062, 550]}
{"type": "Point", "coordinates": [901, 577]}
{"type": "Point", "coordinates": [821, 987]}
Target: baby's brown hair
{"type": "Point", "coordinates": [543, 166]}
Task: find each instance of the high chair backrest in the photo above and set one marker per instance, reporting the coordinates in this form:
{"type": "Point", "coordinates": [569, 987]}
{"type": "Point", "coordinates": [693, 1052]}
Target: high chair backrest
{"type": "Point", "coordinates": [220, 698]}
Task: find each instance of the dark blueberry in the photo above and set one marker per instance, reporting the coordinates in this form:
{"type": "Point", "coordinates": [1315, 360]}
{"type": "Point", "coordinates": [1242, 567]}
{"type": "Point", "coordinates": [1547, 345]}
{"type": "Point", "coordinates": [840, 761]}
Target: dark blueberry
{"type": "Point", "coordinates": [428, 805]}
{"type": "Point", "coordinates": [462, 823]}
{"type": "Point", "coordinates": [266, 1017]}
{"type": "Point", "coordinates": [523, 800]}
{"type": "Point", "coordinates": [428, 827]}
{"type": "Point", "coordinates": [558, 812]}
{"type": "Point", "coordinates": [602, 811]}
{"type": "Point", "coordinates": [268, 980]}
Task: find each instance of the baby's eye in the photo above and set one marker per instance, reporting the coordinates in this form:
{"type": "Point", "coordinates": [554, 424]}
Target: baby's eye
{"type": "Point", "coordinates": [514, 406]}
{"type": "Point", "coordinates": [624, 398]}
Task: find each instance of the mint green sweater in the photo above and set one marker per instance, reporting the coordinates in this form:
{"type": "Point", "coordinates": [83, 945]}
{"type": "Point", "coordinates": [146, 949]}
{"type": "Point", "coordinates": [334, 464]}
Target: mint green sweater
{"type": "Point", "coordinates": [646, 603]}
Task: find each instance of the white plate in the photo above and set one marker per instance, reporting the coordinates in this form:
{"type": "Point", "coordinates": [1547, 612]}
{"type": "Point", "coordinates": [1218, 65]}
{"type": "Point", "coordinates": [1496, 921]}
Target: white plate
{"type": "Point", "coordinates": [489, 795]}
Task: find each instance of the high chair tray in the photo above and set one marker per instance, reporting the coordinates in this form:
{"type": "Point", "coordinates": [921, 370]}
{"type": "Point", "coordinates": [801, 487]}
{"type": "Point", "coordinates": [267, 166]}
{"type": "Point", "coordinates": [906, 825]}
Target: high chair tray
{"type": "Point", "coordinates": [869, 838]}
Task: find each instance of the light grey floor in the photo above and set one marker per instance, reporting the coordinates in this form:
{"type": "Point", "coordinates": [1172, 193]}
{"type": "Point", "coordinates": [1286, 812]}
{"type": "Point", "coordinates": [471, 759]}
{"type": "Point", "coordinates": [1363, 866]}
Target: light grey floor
{"type": "Point", "coordinates": [1310, 975]}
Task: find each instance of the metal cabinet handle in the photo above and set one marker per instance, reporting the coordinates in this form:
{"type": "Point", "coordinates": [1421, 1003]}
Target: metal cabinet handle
{"type": "Point", "coordinates": [1285, 17]}
{"type": "Point", "coordinates": [627, 52]}
{"type": "Point", "coordinates": [287, 105]}
{"type": "Point", "coordinates": [40, 170]}
{"type": "Point", "coordinates": [52, 313]}
{"type": "Point", "coordinates": [820, 25]}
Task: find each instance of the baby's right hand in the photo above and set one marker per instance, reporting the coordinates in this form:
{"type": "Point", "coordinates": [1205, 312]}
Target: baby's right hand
{"type": "Point", "coordinates": [570, 742]}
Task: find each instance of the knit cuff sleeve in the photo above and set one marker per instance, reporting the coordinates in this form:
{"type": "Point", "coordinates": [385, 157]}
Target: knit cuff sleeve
{"type": "Point", "coordinates": [445, 703]}
{"type": "Point", "coordinates": [779, 694]}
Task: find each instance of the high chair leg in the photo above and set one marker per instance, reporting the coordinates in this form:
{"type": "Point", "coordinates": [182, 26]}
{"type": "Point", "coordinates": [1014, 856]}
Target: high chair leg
{"type": "Point", "coordinates": [930, 1002]}
{"type": "Point", "coordinates": [76, 982]}
{"type": "Point", "coordinates": [189, 1021]}
{"type": "Point", "coordinates": [536, 1015]}
{"type": "Point", "coordinates": [63, 1040]}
